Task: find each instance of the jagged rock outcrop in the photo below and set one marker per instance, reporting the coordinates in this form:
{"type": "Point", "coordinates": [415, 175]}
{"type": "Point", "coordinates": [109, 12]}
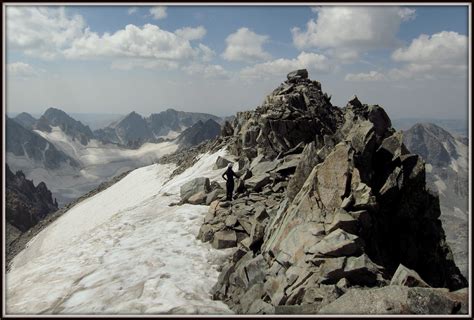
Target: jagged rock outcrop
{"type": "Point", "coordinates": [331, 201]}
{"type": "Point", "coordinates": [26, 204]}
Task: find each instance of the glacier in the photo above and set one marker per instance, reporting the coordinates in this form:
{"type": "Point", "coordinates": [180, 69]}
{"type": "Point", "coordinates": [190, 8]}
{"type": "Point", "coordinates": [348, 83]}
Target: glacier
{"type": "Point", "coordinates": [123, 251]}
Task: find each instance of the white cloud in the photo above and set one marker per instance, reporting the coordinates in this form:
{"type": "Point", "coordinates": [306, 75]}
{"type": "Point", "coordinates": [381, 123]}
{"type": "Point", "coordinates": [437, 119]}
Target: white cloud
{"type": "Point", "coordinates": [132, 10]}
{"type": "Point", "coordinates": [443, 47]}
{"type": "Point", "coordinates": [207, 71]}
{"type": "Point", "coordinates": [442, 54]}
{"type": "Point", "coordinates": [147, 42]}
{"type": "Point", "coordinates": [246, 45]}
{"type": "Point", "coordinates": [20, 69]}
{"type": "Point", "coordinates": [407, 14]}
{"type": "Point", "coordinates": [190, 33]}
{"type": "Point", "coordinates": [307, 60]}
{"type": "Point", "coordinates": [363, 77]}
{"type": "Point", "coordinates": [356, 29]}
{"type": "Point", "coordinates": [158, 12]}
{"type": "Point", "coordinates": [40, 31]}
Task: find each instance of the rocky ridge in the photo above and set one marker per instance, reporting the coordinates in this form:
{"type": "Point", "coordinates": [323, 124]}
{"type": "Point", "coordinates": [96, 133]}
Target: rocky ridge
{"type": "Point", "coordinates": [330, 202]}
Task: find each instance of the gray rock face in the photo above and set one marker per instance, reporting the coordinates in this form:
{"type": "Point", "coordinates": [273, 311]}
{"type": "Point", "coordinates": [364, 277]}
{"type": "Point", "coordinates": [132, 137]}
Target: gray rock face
{"type": "Point", "coordinates": [396, 300]}
{"type": "Point", "coordinates": [446, 157]}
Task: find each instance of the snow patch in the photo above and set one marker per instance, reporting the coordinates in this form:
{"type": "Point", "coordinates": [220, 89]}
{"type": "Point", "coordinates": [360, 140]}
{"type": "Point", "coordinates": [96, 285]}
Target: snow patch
{"type": "Point", "coordinates": [123, 250]}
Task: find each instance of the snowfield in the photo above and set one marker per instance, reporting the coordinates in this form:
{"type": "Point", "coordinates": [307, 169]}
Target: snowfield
{"type": "Point", "coordinates": [122, 251]}
{"type": "Point", "coordinates": [98, 163]}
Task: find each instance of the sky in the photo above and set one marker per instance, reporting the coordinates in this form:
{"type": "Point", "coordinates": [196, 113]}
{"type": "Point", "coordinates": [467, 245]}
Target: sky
{"type": "Point", "coordinates": [411, 60]}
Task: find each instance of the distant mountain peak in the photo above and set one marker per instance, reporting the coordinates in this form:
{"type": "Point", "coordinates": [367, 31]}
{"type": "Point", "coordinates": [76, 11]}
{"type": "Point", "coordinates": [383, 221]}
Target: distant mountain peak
{"type": "Point", "coordinates": [73, 128]}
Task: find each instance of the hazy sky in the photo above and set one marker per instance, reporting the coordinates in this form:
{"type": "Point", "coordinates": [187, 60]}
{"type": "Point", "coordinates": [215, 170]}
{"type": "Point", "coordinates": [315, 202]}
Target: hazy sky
{"type": "Point", "coordinates": [412, 60]}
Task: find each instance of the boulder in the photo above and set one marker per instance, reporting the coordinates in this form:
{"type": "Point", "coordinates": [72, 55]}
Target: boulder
{"type": "Point", "coordinates": [224, 239]}
{"type": "Point", "coordinates": [221, 163]}
{"type": "Point", "coordinates": [194, 186]}
{"type": "Point", "coordinates": [297, 74]}
{"type": "Point", "coordinates": [261, 307]}
{"type": "Point", "coordinates": [256, 183]}
{"type": "Point", "coordinates": [394, 300]}
{"type": "Point", "coordinates": [343, 220]}
{"type": "Point", "coordinates": [407, 277]}
{"type": "Point", "coordinates": [337, 243]}
{"type": "Point", "coordinates": [214, 195]}
{"type": "Point", "coordinates": [198, 198]}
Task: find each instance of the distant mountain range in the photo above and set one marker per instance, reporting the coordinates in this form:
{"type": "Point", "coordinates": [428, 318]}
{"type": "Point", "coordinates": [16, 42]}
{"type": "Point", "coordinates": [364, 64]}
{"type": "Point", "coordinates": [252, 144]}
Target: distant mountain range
{"type": "Point", "coordinates": [72, 159]}
{"type": "Point", "coordinates": [447, 174]}
{"type": "Point", "coordinates": [133, 130]}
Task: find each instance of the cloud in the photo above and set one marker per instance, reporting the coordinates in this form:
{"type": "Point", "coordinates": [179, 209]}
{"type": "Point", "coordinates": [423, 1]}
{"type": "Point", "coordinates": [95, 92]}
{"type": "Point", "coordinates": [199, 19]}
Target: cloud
{"type": "Point", "coordinates": [132, 10]}
{"type": "Point", "coordinates": [190, 33]}
{"type": "Point", "coordinates": [158, 12]}
{"type": "Point", "coordinates": [442, 54]}
{"type": "Point", "coordinates": [40, 31]}
{"type": "Point", "coordinates": [21, 69]}
{"type": "Point", "coordinates": [443, 47]}
{"type": "Point", "coordinates": [147, 42]}
{"type": "Point", "coordinates": [311, 61]}
{"type": "Point", "coordinates": [207, 71]}
{"type": "Point", "coordinates": [357, 29]}
{"type": "Point", "coordinates": [245, 45]}
{"type": "Point", "coordinates": [364, 77]}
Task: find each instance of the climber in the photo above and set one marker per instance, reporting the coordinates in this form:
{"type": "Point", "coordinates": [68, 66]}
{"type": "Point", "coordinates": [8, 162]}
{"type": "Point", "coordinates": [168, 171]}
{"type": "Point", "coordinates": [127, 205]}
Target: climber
{"type": "Point", "coordinates": [230, 174]}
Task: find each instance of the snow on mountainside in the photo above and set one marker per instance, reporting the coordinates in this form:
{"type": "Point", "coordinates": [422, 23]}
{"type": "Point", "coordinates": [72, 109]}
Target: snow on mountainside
{"type": "Point", "coordinates": [123, 250]}
{"type": "Point", "coordinates": [97, 162]}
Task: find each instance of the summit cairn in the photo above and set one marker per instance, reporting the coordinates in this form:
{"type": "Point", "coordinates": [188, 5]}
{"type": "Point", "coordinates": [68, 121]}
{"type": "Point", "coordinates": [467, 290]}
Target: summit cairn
{"type": "Point", "coordinates": [330, 201]}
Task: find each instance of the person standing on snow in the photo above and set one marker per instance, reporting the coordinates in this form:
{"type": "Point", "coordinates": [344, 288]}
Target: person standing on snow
{"type": "Point", "coordinates": [228, 176]}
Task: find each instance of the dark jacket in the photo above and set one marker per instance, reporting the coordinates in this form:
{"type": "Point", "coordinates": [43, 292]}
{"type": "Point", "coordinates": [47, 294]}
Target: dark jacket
{"type": "Point", "coordinates": [229, 175]}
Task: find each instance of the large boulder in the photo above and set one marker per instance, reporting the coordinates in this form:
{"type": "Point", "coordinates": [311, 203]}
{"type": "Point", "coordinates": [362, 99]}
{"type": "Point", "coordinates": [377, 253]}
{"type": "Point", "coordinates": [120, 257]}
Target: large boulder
{"type": "Point", "coordinates": [406, 277]}
{"type": "Point", "coordinates": [194, 186]}
{"type": "Point", "coordinates": [224, 239]}
{"type": "Point", "coordinates": [395, 300]}
{"type": "Point", "coordinates": [221, 163]}
{"type": "Point", "coordinates": [297, 74]}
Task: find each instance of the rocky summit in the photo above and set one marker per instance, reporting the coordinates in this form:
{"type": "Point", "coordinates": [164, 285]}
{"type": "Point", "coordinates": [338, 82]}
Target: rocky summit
{"type": "Point", "coordinates": [330, 207]}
